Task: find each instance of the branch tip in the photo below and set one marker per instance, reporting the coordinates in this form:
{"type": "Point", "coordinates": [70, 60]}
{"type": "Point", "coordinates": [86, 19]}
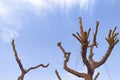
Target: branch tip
{"type": "Point", "coordinates": [59, 44]}
{"type": "Point", "coordinates": [57, 73]}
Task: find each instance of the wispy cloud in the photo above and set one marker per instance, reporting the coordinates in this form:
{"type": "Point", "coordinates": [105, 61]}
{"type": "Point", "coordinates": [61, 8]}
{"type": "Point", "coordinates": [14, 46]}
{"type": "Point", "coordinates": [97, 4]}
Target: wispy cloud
{"type": "Point", "coordinates": [10, 12]}
{"type": "Point", "coordinates": [8, 34]}
{"type": "Point", "coordinates": [3, 10]}
{"type": "Point", "coordinates": [9, 23]}
{"type": "Point", "coordinates": [62, 4]}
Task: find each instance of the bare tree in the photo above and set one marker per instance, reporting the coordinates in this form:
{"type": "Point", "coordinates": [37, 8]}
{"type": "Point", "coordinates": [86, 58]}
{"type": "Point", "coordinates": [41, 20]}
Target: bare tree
{"type": "Point", "coordinates": [23, 70]}
{"type": "Point", "coordinates": [88, 61]}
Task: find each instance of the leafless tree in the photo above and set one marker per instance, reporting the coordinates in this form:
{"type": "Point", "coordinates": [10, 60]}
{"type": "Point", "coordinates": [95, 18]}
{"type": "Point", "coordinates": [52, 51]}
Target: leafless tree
{"type": "Point", "coordinates": [89, 62]}
{"type": "Point", "coordinates": [23, 70]}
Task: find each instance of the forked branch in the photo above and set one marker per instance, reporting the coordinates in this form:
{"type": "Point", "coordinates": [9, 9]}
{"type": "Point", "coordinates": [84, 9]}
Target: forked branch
{"type": "Point", "coordinates": [23, 70]}
{"type": "Point", "coordinates": [112, 41]}
{"type": "Point", "coordinates": [83, 36]}
{"type": "Point", "coordinates": [112, 37]}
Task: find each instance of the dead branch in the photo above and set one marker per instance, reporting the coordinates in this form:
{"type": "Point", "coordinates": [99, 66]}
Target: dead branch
{"type": "Point", "coordinates": [17, 58]}
{"type": "Point", "coordinates": [81, 26]}
{"type": "Point", "coordinates": [96, 76]}
{"type": "Point", "coordinates": [94, 43]}
{"type": "Point", "coordinates": [57, 73]}
{"type": "Point", "coordinates": [40, 65]}
{"type": "Point", "coordinates": [23, 70]}
{"type": "Point", "coordinates": [112, 41]}
{"type": "Point", "coordinates": [67, 56]}
{"type": "Point", "coordinates": [112, 37]}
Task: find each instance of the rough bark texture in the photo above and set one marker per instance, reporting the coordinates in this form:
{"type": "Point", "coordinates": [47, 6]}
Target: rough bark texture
{"type": "Point", "coordinates": [23, 70]}
{"type": "Point", "coordinates": [88, 61]}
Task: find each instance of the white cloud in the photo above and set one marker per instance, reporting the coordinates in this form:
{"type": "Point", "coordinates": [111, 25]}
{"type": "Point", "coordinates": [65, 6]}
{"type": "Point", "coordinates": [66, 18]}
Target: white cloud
{"type": "Point", "coordinates": [47, 5]}
{"type": "Point", "coordinates": [9, 22]}
{"type": "Point", "coordinates": [8, 34]}
{"type": "Point", "coordinates": [10, 12]}
{"type": "Point", "coordinates": [9, 29]}
{"type": "Point", "coordinates": [3, 10]}
{"type": "Point", "coordinates": [52, 4]}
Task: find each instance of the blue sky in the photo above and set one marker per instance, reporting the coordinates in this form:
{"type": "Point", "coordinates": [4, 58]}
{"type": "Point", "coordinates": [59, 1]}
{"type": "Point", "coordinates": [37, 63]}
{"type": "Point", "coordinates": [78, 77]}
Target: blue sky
{"type": "Point", "coordinates": [37, 26]}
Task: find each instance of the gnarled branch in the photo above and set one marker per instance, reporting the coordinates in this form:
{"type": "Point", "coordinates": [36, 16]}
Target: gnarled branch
{"type": "Point", "coordinates": [67, 56]}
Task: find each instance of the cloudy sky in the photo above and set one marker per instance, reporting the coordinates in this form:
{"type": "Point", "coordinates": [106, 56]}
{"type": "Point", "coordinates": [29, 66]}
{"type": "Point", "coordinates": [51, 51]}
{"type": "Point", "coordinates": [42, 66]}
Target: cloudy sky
{"type": "Point", "coordinates": [37, 26]}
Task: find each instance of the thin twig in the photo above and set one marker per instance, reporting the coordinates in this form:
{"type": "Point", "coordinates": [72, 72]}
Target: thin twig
{"type": "Point", "coordinates": [96, 76]}
{"type": "Point", "coordinates": [57, 73]}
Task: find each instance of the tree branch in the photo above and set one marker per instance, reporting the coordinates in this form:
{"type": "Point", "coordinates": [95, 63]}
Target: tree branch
{"type": "Point", "coordinates": [112, 41]}
{"type": "Point", "coordinates": [78, 37]}
{"type": "Point", "coordinates": [67, 56]}
{"type": "Point", "coordinates": [40, 65]}
{"type": "Point", "coordinates": [17, 58]}
{"type": "Point", "coordinates": [57, 73]}
{"type": "Point", "coordinates": [23, 70]}
{"type": "Point", "coordinates": [94, 43]}
{"type": "Point", "coordinates": [81, 26]}
{"type": "Point", "coordinates": [96, 76]}
{"type": "Point", "coordinates": [102, 61]}
{"type": "Point", "coordinates": [83, 39]}
{"type": "Point", "coordinates": [112, 37]}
